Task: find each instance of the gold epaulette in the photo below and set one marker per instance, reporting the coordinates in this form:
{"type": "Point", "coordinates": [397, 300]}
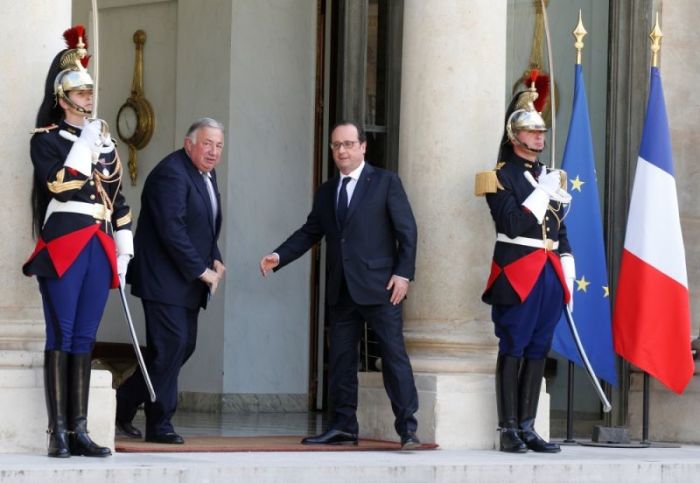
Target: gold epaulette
{"type": "Point", "coordinates": [487, 182]}
{"type": "Point", "coordinates": [43, 129]}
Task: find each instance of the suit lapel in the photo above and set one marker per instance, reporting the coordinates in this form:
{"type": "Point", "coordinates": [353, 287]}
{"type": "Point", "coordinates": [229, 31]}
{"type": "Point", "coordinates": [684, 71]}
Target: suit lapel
{"type": "Point", "coordinates": [198, 182]}
{"type": "Point", "coordinates": [363, 185]}
{"type": "Point", "coordinates": [217, 222]}
{"type": "Point", "coordinates": [333, 201]}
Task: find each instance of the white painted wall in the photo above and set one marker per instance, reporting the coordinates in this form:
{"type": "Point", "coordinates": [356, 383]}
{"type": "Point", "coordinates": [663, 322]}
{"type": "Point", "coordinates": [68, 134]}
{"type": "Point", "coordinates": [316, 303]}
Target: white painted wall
{"type": "Point", "coordinates": [270, 192]}
{"type": "Point", "coordinates": [26, 55]}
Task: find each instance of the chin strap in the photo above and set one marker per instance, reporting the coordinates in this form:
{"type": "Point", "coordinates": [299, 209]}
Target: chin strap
{"type": "Point", "coordinates": [75, 106]}
{"type": "Point", "coordinates": [525, 146]}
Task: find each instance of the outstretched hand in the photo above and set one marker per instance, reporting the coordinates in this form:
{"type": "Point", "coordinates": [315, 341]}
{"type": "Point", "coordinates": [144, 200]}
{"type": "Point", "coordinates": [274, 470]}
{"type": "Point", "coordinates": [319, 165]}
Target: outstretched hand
{"type": "Point", "coordinates": [268, 263]}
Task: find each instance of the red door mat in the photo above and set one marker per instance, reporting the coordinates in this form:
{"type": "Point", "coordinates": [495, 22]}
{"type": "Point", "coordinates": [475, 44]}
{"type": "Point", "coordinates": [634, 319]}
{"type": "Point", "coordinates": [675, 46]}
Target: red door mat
{"type": "Point", "coordinates": [232, 444]}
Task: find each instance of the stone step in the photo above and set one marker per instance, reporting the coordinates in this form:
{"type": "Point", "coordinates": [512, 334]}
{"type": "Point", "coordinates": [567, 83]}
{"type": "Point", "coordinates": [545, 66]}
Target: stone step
{"type": "Point", "coordinates": [22, 329]}
{"type": "Point", "coordinates": [22, 358]}
{"type": "Point", "coordinates": [575, 463]}
{"type": "Point", "coordinates": [15, 344]}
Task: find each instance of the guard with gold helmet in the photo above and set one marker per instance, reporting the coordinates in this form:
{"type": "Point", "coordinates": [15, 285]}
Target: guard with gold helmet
{"type": "Point", "coordinates": [532, 270]}
{"type": "Point", "coordinates": [83, 229]}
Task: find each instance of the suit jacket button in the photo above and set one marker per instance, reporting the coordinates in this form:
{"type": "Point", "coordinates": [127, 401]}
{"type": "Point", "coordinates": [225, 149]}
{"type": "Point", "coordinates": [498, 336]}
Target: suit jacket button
{"type": "Point", "coordinates": [342, 240]}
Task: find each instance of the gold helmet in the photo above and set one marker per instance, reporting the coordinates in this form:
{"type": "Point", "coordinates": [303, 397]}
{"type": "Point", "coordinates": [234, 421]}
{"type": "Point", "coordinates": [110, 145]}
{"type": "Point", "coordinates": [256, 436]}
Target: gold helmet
{"type": "Point", "coordinates": [525, 115]}
{"type": "Point", "coordinates": [73, 76]}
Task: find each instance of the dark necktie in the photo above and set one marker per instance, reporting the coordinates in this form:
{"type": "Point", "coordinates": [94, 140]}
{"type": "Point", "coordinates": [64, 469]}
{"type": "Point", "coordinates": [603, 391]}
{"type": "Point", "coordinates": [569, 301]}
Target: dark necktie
{"type": "Point", "coordinates": [342, 208]}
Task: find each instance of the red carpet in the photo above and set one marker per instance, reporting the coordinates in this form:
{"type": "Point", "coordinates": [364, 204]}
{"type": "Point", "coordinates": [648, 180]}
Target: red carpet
{"type": "Point", "coordinates": [226, 444]}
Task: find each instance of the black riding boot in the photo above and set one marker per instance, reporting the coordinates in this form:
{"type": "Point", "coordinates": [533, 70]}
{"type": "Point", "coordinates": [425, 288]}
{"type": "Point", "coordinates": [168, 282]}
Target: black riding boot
{"type": "Point", "coordinates": [507, 403]}
{"type": "Point", "coordinates": [56, 392]}
{"type": "Point", "coordinates": [80, 442]}
{"type": "Point", "coordinates": [530, 384]}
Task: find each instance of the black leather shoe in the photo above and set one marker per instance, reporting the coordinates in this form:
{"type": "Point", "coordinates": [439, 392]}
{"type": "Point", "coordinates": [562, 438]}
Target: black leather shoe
{"type": "Point", "coordinates": [409, 441]}
{"type": "Point", "coordinates": [165, 438]}
{"type": "Point", "coordinates": [537, 444]}
{"type": "Point", "coordinates": [332, 436]}
{"type": "Point", "coordinates": [510, 441]}
{"type": "Point", "coordinates": [58, 445]}
{"type": "Point", "coordinates": [82, 445]}
{"type": "Point", "coordinates": [128, 429]}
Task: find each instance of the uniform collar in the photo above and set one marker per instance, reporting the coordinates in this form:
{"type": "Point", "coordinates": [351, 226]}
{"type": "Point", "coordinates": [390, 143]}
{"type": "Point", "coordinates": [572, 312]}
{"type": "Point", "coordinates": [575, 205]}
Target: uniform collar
{"type": "Point", "coordinates": [522, 162]}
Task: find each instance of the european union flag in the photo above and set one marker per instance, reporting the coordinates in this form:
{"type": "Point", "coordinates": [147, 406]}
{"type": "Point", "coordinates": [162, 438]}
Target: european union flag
{"type": "Point", "coordinates": [585, 232]}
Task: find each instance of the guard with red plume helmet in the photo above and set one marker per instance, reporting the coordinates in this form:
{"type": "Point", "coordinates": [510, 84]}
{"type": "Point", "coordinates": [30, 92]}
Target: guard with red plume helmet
{"type": "Point", "coordinates": [83, 229]}
{"type": "Point", "coordinates": [531, 269]}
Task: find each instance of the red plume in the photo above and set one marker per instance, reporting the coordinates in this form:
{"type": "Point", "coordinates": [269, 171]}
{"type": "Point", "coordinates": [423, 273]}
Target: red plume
{"type": "Point", "coordinates": [541, 82]}
{"type": "Point", "coordinates": [72, 36]}
{"type": "Point", "coordinates": [542, 86]}
{"type": "Point", "coordinates": [531, 77]}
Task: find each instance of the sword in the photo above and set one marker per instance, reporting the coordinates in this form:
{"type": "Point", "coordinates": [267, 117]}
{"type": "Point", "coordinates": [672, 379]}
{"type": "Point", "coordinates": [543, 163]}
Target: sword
{"type": "Point", "coordinates": [135, 343]}
{"type": "Point", "coordinates": [586, 364]}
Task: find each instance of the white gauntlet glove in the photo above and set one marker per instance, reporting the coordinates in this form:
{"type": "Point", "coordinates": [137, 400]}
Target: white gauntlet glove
{"type": "Point", "coordinates": [122, 265]}
{"type": "Point", "coordinates": [88, 146]}
{"type": "Point", "coordinates": [568, 266]}
{"type": "Point", "coordinates": [125, 251]}
{"type": "Point", "coordinates": [538, 200]}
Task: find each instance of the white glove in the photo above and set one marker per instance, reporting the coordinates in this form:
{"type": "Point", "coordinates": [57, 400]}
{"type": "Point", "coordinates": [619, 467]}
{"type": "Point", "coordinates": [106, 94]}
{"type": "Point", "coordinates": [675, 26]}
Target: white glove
{"type": "Point", "coordinates": [537, 202]}
{"type": "Point", "coordinates": [550, 183]}
{"type": "Point", "coordinates": [86, 147]}
{"type": "Point", "coordinates": [91, 135]}
{"type": "Point", "coordinates": [122, 265]}
{"type": "Point", "coordinates": [568, 266]}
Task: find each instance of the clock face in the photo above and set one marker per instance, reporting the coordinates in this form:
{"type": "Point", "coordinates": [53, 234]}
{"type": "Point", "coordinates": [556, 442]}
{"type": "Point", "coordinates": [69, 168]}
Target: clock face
{"type": "Point", "coordinates": [127, 121]}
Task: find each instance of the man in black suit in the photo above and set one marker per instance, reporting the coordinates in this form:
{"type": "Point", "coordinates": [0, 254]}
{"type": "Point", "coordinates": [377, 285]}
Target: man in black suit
{"type": "Point", "coordinates": [176, 268]}
{"type": "Point", "coordinates": [371, 238]}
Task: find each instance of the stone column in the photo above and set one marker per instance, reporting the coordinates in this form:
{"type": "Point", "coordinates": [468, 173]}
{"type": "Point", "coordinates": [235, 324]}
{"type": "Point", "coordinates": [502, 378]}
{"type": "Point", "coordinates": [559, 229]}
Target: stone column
{"type": "Point", "coordinates": [27, 55]}
{"type": "Point", "coordinates": [452, 107]}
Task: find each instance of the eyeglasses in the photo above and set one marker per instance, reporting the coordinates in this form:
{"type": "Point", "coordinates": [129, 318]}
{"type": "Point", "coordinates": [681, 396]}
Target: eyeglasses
{"type": "Point", "coordinates": [346, 144]}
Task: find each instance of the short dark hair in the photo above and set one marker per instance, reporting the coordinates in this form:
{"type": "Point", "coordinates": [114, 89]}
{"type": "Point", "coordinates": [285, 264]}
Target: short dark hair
{"type": "Point", "coordinates": [361, 136]}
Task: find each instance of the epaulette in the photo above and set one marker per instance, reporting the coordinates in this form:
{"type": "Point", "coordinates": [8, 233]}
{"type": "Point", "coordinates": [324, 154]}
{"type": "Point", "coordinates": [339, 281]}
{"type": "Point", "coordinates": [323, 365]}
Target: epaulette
{"type": "Point", "coordinates": [43, 130]}
{"type": "Point", "coordinates": [487, 181]}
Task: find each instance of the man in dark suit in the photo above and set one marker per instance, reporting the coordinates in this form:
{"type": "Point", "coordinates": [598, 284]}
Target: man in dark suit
{"type": "Point", "coordinates": [176, 268]}
{"type": "Point", "coordinates": [371, 238]}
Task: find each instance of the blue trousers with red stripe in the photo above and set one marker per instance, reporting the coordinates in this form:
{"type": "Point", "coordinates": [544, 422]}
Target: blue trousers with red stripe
{"type": "Point", "coordinates": [526, 329]}
{"type": "Point", "coordinates": [75, 302]}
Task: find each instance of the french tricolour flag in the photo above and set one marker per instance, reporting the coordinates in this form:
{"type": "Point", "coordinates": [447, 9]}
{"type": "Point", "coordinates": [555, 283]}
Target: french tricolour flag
{"type": "Point", "coordinates": [651, 319]}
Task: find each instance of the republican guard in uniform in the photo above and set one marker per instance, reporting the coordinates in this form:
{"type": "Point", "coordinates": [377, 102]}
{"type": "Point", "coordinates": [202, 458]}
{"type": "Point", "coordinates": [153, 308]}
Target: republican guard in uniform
{"type": "Point", "coordinates": [532, 271]}
{"type": "Point", "coordinates": [84, 243]}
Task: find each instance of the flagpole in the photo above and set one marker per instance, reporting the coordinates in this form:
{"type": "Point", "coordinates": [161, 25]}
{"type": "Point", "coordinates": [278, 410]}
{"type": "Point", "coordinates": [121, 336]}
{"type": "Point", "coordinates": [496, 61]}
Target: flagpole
{"type": "Point", "coordinates": [579, 33]}
{"type": "Point", "coordinates": [655, 37]}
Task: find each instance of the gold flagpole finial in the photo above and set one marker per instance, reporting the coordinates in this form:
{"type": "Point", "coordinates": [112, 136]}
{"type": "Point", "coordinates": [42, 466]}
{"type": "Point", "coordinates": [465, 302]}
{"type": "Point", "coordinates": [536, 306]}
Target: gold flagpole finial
{"type": "Point", "coordinates": [579, 33]}
{"type": "Point", "coordinates": [655, 37]}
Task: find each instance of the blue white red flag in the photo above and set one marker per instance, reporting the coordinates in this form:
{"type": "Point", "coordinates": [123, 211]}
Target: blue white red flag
{"type": "Point", "coordinates": [651, 319]}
